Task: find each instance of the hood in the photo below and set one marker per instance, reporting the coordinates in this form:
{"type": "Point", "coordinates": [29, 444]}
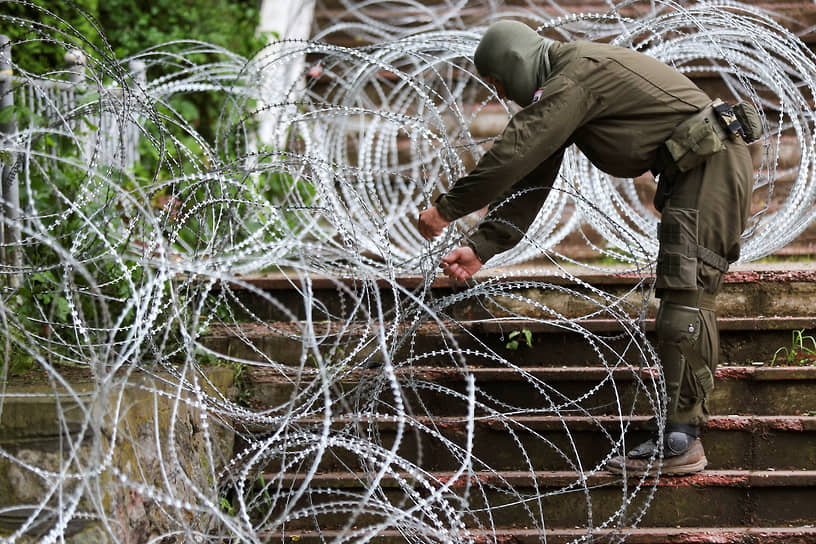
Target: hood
{"type": "Point", "coordinates": [516, 56]}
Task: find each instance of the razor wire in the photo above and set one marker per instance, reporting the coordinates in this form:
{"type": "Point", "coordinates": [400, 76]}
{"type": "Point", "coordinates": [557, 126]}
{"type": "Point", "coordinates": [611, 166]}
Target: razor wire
{"type": "Point", "coordinates": [139, 285]}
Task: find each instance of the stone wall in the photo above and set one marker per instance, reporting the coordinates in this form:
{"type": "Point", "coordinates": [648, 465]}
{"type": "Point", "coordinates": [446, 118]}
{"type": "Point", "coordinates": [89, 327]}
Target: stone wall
{"type": "Point", "coordinates": [136, 452]}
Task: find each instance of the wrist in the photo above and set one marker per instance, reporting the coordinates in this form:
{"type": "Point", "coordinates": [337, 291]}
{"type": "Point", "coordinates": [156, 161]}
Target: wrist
{"type": "Point", "coordinates": [443, 209]}
{"type": "Point", "coordinates": [474, 247]}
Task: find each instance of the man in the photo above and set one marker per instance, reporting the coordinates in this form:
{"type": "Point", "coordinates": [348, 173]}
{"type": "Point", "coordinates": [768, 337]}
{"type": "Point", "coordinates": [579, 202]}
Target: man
{"type": "Point", "coordinates": [628, 113]}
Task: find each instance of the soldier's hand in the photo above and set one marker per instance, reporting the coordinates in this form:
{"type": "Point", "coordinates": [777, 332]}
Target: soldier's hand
{"type": "Point", "coordinates": [461, 263]}
{"type": "Point", "coordinates": [431, 223]}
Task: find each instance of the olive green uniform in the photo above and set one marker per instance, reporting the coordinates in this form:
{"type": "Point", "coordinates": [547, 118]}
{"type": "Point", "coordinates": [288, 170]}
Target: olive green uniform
{"type": "Point", "coordinates": [619, 106]}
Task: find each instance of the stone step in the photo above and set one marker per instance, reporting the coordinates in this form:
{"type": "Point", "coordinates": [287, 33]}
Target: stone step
{"type": "Point", "coordinates": [550, 391]}
{"type": "Point", "coordinates": [762, 470]}
{"type": "Point", "coordinates": [40, 413]}
{"type": "Point", "coordinates": [714, 499]}
{"type": "Point", "coordinates": [565, 443]}
{"type": "Point", "coordinates": [746, 292]}
{"type": "Point", "coordinates": [640, 535]}
{"type": "Point", "coordinates": [743, 340]}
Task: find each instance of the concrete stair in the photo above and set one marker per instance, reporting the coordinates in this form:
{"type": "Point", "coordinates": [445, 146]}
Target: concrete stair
{"type": "Point", "coordinates": [672, 535]}
{"type": "Point", "coordinates": [716, 498]}
{"type": "Point", "coordinates": [759, 486]}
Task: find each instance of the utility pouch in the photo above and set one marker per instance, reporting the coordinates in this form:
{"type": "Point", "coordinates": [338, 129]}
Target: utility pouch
{"type": "Point", "coordinates": [696, 139]}
{"type": "Point", "coordinates": [750, 121]}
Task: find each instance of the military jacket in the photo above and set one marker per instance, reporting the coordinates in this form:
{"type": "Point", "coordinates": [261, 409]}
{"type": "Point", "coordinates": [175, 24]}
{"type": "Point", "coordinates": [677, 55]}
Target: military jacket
{"type": "Point", "coordinates": [617, 105]}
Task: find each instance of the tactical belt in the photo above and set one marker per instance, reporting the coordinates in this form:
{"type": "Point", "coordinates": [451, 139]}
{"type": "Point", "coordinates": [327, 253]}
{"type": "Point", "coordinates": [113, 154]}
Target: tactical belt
{"type": "Point", "coordinates": [692, 298]}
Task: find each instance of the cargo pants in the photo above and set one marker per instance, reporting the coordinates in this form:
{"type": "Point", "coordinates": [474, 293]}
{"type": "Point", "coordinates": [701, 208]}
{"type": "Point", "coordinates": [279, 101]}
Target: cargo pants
{"type": "Point", "coordinates": [702, 219]}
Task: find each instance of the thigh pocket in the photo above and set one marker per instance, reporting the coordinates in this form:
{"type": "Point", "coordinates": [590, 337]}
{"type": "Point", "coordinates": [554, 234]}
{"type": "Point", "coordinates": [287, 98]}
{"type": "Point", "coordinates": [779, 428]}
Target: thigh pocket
{"type": "Point", "coordinates": [677, 256]}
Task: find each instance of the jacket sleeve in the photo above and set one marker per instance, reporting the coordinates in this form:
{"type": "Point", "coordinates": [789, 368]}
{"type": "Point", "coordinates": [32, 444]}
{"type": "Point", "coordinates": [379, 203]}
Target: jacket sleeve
{"type": "Point", "coordinates": [509, 216]}
{"type": "Point", "coordinates": [533, 135]}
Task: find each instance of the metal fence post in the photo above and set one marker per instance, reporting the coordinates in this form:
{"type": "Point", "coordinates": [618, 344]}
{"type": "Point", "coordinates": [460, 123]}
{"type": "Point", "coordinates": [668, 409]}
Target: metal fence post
{"type": "Point", "coordinates": [11, 191]}
{"type": "Point", "coordinates": [75, 63]}
{"type": "Point", "coordinates": [138, 71]}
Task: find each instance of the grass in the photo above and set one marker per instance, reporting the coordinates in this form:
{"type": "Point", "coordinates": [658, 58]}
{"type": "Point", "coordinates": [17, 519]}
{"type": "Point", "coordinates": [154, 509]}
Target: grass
{"type": "Point", "coordinates": [798, 353]}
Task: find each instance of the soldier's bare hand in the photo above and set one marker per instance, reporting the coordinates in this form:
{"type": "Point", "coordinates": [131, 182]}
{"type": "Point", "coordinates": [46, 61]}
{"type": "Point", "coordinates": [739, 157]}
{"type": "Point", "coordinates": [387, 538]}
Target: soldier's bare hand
{"type": "Point", "coordinates": [431, 223]}
{"type": "Point", "coordinates": [461, 263]}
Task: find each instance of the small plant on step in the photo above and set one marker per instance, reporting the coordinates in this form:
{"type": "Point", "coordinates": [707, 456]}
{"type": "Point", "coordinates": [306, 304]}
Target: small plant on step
{"type": "Point", "coordinates": [798, 353]}
{"type": "Point", "coordinates": [516, 336]}
{"type": "Point", "coordinates": [227, 507]}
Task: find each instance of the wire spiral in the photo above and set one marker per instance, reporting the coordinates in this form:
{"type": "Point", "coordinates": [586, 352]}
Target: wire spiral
{"type": "Point", "coordinates": [141, 241]}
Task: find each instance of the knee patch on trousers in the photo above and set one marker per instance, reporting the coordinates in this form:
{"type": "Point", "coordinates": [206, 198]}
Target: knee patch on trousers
{"type": "Point", "coordinates": [685, 352]}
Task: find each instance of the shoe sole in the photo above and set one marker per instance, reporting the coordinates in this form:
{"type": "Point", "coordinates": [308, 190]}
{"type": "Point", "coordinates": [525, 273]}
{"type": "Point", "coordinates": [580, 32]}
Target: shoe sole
{"type": "Point", "coordinates": [679, 470]}
{"type": "Point", "coordinates": [693, 468]}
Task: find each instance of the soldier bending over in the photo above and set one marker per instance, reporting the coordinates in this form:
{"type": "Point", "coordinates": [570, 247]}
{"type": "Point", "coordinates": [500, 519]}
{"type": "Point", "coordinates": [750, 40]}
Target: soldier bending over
{"type": "Point", "coordinates": [628, 113]}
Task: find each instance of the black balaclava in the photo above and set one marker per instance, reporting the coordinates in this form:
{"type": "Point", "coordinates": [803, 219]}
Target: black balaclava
{"type": "Point", "coordinates": [516, 56]}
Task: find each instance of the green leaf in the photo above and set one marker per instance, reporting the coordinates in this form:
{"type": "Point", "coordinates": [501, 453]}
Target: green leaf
{"type": "Point", "coordinates": [90, 125]}
{"type": "Point", "coordinates": [226, 506]}
{"type": "Point", "coordinates": [7, 114]}
{"type": "Point", "coordinates": [62, 309]}
{"type": "Point", "coordinates": [21, 363]}
{"type": "Point", "coordinates": [514, 344]}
